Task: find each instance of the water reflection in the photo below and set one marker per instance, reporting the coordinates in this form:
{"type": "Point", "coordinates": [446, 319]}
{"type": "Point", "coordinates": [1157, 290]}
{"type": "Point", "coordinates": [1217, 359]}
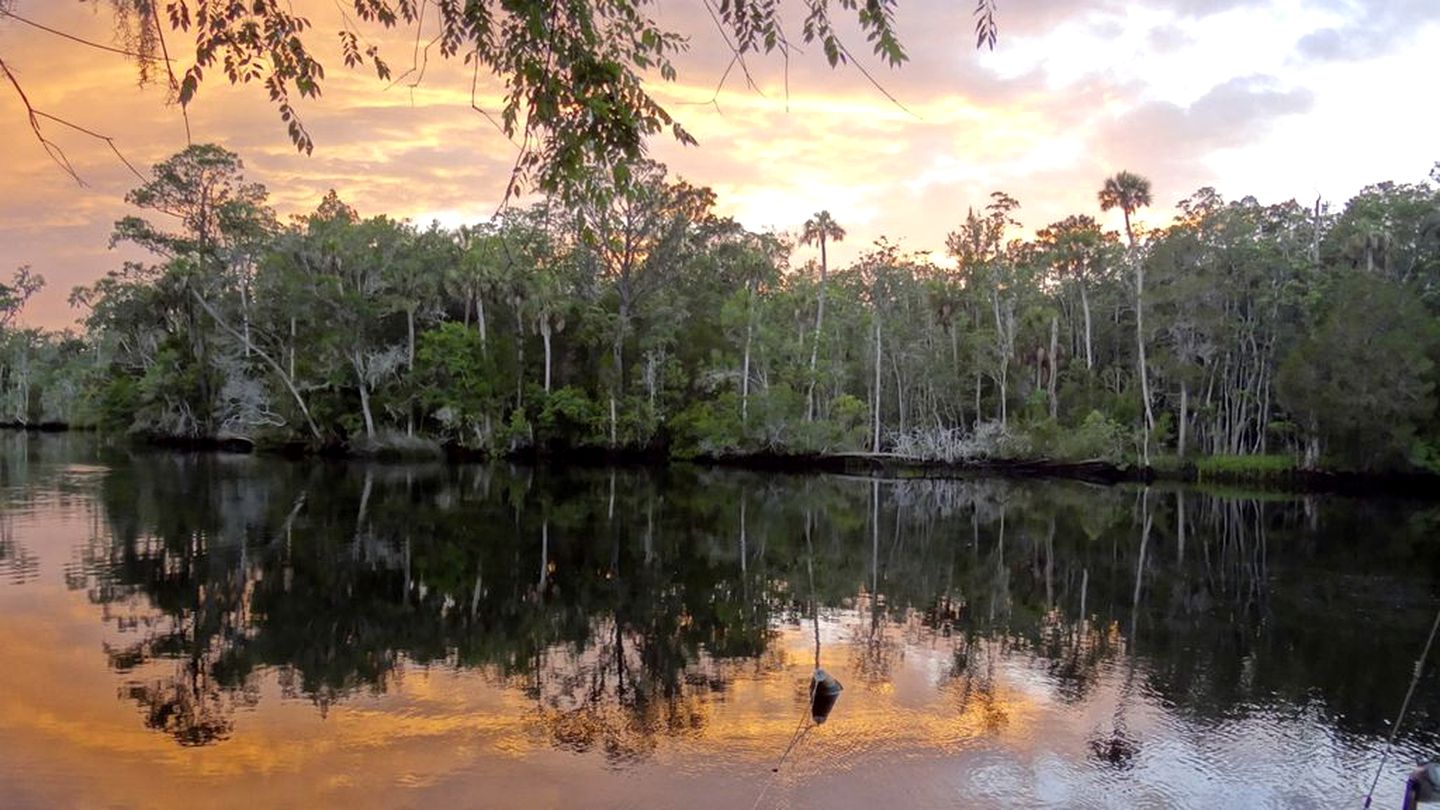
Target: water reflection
{"type": "Point", "coordinates": [632, 612]}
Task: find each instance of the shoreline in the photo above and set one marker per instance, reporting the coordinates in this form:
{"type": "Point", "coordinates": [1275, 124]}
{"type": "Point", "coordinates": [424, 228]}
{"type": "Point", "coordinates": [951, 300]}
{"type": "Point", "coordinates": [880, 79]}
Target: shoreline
{"type": "Point", "coordinates": [1293, 480]}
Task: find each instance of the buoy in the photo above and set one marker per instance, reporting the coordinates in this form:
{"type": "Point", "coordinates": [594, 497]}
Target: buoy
{"type": "Point", "coordinates": [1423, 786]}
{"type": "Point", "coordinates": [824, 691]}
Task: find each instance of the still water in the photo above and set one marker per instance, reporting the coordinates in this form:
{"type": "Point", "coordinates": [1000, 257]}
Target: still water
{"type": "Point", "coordinates": [211, 630]}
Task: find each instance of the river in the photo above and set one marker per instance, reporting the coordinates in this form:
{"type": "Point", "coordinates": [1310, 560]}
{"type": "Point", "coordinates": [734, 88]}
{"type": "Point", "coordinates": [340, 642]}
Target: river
{"type": "Point", "coordinates": [198, 630]}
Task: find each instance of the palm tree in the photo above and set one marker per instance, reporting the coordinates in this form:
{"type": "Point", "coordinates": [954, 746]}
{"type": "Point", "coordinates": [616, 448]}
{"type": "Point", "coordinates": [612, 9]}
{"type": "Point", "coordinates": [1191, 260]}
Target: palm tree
{"type": "Point", "coordinates": [819, 228]}
{"type": "Point", "coordinates": [1128, 191]}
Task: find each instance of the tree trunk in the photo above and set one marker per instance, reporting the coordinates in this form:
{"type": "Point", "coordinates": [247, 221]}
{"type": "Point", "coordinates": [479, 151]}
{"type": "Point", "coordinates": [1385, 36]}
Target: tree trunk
{"type": "Point", "coordinates": [614, 433]}
{"type": "Point", "coordinates": [745, 366]}
{"type": "Point", "coordinates": [410, 338]}
{"type": "Point", "coordinates": [545, 338]}
{"type": "Point", "coordinates": [359, 367]}
{"type": "Point", "coordinates": [245, 316]}
{"type": "Point", "coordinates": [480, 325]}
{"type": "Point", "coordinates": [1054, 365]}
{"type": "Point", "coordinates": [899, 392]}
{"type": "Point", "coordinates": [819, 329]}
{"type": "Point", "coordinates": [1085, 306]}
{"type": "Point", "coordinates": [1140, 349]}
{"type": "Point", "coordinates": [617, 348]}
{"type": "Point", "coordinates": [288, 380]}
{"type": "Point", "coordinates": [977, 397]}
{"type": "Point", "coordinates": [519, 354]}
{"type": "Point", "coordinates": [875, 446]}
{"type": "Point", "coordinates": [1184, 415]}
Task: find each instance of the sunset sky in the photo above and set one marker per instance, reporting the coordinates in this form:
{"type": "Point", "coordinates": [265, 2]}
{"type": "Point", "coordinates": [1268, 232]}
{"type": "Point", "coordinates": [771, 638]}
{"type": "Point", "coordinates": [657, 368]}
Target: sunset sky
{"type": "Point", "coordinates": [1274, 98]}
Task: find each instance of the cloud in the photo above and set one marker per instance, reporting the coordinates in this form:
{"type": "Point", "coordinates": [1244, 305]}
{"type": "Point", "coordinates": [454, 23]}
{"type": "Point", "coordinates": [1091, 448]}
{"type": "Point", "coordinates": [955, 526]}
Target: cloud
{"type": "Point", "coordinates": [1371, 28]}
{"type": "Point", "coordinates": [1163, 134]}
{"type": "Point", "coordinates": [1172, 89]}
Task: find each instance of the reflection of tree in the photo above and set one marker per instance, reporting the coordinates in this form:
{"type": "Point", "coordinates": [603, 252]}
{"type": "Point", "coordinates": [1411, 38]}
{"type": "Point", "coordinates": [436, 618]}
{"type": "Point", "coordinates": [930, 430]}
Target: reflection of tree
{"type": "Point", "coordinates": [17, 564]}
{"type": "Point", "coordinates": [624, 603]}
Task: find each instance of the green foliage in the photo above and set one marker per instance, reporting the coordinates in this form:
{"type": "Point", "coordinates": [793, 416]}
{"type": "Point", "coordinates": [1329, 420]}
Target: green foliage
{"type": "Point", "coordinates": [517, 433]}
{"type": "Point", "coordinates": [1096, 438]}
{"type": "Point", "coordinates": [455, 382]}
{"type": "Point", "coordinates": [569, 416]}
{"type": "Point", "coordinates": [1362, 380]}
{"type": "Point", "coordinates": [1244, 468]}
{"type": "Point", "coordinates": [641, 319]}
{"type": "Point", "coordinates": [709, 428]}
{"type": "Point", "coordinates": [119, 401]}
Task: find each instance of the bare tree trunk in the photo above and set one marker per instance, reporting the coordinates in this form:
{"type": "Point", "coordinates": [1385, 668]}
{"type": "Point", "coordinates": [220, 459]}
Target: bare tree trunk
{"type": "Point", "coordinates": [1054, 365]}
{"type": "Point", "coordinates": [519, 352]}
{"type": "Point", "coordinates": [480, 325]}
{"type": "Point", "coordinates": [1085, 306]}
{"type": "Point", "coordinates": [358, 365]}
{"type": "Point", "coordinates": [1140, 347]}
{"type": "Point", "coordinates": [245, 315]}
{"type": "Point", "coordinates": [613, 426]}
{"type": "Point", "coordinates": [410, 338]}
{"type": "Point", "coordinates": [745, 366]}
{"type": "Point", "coordinates": [977, 397]}
{"type": "Point", "coordinates": [545, 338]}
{"type": "Point", "coordinates": [875, 446]}
{"type": "Point", "coordinates": [1184, 415]}
{"type": "Point", "coordinates": [819, 327]}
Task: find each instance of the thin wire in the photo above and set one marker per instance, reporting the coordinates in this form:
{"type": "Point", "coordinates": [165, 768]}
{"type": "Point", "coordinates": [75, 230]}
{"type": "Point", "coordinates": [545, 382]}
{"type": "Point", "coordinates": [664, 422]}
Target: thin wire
{"type": "Point", "coordinates": [1395, 729]}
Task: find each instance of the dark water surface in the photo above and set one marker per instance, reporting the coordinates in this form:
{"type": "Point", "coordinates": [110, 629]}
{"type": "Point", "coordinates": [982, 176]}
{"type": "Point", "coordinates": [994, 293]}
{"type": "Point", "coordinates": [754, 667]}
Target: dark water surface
{"type": "Point", "coordinates": [204, 630]}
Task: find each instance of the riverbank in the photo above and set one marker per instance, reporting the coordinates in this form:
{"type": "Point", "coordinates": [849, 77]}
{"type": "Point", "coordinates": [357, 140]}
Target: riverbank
{"type": "Point", "coordinates": [1270, 473]}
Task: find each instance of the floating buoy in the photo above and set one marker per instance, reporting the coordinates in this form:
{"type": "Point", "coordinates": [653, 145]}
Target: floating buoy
{"type": "Point", "coordinates": [824, 691]}
{"type": "Point", "coordinates": [1423, 786]}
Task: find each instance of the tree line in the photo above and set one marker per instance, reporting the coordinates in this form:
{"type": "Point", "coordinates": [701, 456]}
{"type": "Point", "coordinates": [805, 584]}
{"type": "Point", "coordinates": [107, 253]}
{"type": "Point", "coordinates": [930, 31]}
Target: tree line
{"type": "Point", "coordinates": [642, 319]}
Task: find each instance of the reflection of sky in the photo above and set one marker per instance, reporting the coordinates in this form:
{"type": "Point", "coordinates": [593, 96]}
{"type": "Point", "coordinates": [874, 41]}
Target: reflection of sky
{"type": "Point", "coordinates": [442, 736]}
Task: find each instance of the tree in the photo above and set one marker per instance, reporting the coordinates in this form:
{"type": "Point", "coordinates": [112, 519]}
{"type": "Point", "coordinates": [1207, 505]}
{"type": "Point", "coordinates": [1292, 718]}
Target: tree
{"type": "Point", "coordinates": [220, 219]}
{"type": "Point", "coordinates": [979, 250]}
{"type": "Point", "coordinates": [1129, 192]}
{"type": "Point", "coordinates": [1075, 246]}
{"type": "Point", "coordinates": [638, 240]}
{"type": "Point", "coordinates": [818, 229]}
{"type": "Point", "coordinates": [13, 296]}
{"type": "Point", "coordinates": [574, 74]}
{"type": "Point", "coordinates": [1360, 383]}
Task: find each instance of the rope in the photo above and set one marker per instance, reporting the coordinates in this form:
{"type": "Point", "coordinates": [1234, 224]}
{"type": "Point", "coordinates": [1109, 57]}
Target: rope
{"type": "Point", "coordinates": [795, 737]}
{"type": "Point", "coordinates": [1395, 729]}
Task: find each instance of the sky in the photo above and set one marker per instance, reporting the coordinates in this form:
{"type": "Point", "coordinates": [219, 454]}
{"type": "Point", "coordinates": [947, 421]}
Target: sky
{"type": "Point", "coordinates": [1277, 99]}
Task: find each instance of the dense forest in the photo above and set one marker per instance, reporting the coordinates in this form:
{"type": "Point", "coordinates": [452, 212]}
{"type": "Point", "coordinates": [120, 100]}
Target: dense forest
{"type": "Point", "coordinates": [640, 319]}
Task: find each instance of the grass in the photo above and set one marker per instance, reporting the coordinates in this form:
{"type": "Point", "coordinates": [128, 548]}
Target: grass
{"type": "Point", "coordinates": [1244, 466]}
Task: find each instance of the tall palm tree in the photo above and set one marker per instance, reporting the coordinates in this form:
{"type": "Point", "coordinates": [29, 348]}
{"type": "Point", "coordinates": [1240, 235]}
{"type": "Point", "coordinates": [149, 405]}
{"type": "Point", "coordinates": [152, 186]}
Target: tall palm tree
{"type": "Point", "coordinates": [1128, 192]}
{"type": "Point", "coordinates": [820, 228]}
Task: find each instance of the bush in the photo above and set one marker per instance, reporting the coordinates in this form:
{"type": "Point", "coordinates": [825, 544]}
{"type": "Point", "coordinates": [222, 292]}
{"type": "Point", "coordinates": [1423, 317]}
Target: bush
{"type": "Point", "coordinates": [708, 428]}
{"type": "Point", "coordinates": [1097, 438]}
{"type": "Point", "coordinates": [569, 416]}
